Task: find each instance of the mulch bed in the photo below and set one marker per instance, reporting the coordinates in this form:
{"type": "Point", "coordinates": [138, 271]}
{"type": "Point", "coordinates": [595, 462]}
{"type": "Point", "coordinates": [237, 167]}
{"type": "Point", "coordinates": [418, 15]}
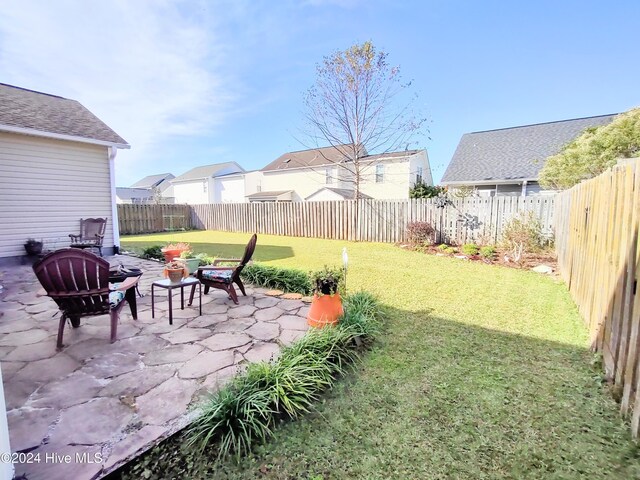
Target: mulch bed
{"type": "Point", "coordinates": [502, 257]}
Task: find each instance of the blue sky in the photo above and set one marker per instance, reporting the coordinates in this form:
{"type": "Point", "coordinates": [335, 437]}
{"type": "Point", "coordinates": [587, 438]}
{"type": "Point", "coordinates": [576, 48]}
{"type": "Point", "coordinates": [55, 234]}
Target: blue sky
{"type": "Point", "coordinates": [190, 83]}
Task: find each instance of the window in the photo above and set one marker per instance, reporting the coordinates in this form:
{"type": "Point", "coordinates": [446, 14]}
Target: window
{"type": "Point", "coordinates": [379, 173]}
{"type": "Point", "coordinates": [419, 175]}
{"type": "Point", "coordinates": [328, 178]}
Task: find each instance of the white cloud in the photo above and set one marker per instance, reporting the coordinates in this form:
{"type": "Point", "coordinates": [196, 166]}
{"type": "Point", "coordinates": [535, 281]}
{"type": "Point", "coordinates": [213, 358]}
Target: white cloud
{"type": "Point", "coordinates": [149, 69]}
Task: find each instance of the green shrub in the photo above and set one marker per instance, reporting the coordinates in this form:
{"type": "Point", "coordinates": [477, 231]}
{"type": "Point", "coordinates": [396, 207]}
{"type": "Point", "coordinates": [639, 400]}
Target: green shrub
{"type": "Point", "coordinates": [287, 279]}
{"type": "Point", "coordinates": [154, 252]}
{"type": "Point", "coordinates": [327, 281]}
{"type": "Point", "coordinates": [205, 259]}
{"type": "Point", "coordinates": [449, 250]}
{"type": "Point", "coordinates": [420, 233]}
{"type": "Point", "coordinates": [470, 249]}
{"type": "Point", "coordinates": [442, 247]}
{"type": "Point", "coordinates": [246, 409]}
{"type": "Point", "coordinates": [488, 252]}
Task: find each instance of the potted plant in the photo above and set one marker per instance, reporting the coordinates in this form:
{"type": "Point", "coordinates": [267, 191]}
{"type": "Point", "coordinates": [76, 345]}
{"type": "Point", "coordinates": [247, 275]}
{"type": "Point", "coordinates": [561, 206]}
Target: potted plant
{"type": "Point", "coordinates": [173, 250]}
{"type": "Point", "coordinates": [175, 272]}
{"type": "Point", "coordinates": [33, 247]}
{"type": "Point", "coordinates": [326, 306]}
{"type": "Point", "coordinates": [189, 260]}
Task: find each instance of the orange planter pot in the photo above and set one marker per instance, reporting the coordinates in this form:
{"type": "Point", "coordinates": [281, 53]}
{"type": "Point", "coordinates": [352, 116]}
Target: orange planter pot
{"type": "Point", "coordinates": [169, 255]}
{"type": "Point", "coordinates": [325, 310]}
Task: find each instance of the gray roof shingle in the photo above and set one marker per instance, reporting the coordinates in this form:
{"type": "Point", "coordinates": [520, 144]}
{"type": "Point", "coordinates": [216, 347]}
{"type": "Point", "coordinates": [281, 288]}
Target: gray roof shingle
{"type": "Point", "coordinates": [46, 113]}
{"type": "Point", "coordinates": [317, 157]}
{"type": "Point", "coordinates": [206, 171]}
{"type": "Point", "coordinates": [513, 153]}
{"type": "Point", "coordinates": [314, 157]}
{"type": "Point", "coordinates": [345, 193]}
{"type": "Point", "coordinates": [151, 181]}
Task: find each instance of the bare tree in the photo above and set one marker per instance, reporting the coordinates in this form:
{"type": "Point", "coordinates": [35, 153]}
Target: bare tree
{"type": "Point", "coordinates": [356, 107]}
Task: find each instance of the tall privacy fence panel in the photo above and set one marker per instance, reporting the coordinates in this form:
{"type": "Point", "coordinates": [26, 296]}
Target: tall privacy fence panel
{"type": "Point", "coordinates": [599, 258]}
{"type": "Point", "coordinates": [137, 219]}
{"type": "Point", "coordinates": [459, 221]}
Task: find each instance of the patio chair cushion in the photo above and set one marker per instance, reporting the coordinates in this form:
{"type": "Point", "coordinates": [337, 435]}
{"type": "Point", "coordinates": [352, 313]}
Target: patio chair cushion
{"type": "Point", "coordinates": [115, 297]}
{"type": "Point", "coordinates": [223, 276]}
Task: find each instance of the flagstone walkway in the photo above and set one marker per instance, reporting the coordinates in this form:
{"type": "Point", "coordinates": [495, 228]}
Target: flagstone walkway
{"type": "Point", "coordinates": [101, 403]}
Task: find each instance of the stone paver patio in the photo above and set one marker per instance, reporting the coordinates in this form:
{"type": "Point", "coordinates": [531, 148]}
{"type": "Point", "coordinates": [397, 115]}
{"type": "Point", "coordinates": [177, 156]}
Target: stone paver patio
{"type": "Point", "coordinates": [102, 403]}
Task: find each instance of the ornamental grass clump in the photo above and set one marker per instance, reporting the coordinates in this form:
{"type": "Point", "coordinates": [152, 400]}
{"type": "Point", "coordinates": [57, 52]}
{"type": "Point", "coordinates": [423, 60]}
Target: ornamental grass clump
{"type": "Point", "coordinates": [247, 409]}
{"type": "Point", "coordinates": [287, 279]}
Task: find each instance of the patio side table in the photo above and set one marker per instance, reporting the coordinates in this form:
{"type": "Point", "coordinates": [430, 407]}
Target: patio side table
{"type": "Point", "coordinates": [167, 284]}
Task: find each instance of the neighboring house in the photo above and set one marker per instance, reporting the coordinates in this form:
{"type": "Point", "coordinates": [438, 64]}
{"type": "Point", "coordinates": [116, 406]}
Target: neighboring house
{"type": "Point", "coordinates": [56, 167]}
{"type": "Point", "coordinates": [508, 161]}
{"type": "Point", "coordinates": [210, 184]}
{"type": "Point", "coordinates": [134, 195]}
{"type": "Point", "coordinates": [316, 174]}
{"type": "Point", "coordinates": [151, 189]}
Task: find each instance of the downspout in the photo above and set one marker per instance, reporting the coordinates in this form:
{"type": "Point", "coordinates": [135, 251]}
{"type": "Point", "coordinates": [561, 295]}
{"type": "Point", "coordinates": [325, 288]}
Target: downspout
{"type": "Point", "coordinates": [524, 188]}
{"type": "Point", "coordinates": [114, 207]}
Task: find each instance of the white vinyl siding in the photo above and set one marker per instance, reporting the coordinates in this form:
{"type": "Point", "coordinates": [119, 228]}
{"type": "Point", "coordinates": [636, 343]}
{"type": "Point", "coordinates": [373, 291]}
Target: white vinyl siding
{"type": "Point", "coordinates": [46, 186]}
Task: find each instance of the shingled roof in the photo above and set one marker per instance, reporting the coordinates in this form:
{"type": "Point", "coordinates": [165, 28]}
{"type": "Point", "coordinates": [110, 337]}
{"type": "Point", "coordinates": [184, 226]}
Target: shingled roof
{"type": "Point", "coordinates": [314, 157]}
{"type": "Point", "coordinates": [515, 153]}
{"type": "Point", "coordinates": [152, 181]}
{"type": "Point", "coordinates": [36, 113]}
{"type": "Point", "coordinates": [207, 171]}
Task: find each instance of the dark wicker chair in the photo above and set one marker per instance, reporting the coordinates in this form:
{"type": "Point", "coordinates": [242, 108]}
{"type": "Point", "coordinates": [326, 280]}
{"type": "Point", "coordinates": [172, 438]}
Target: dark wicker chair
{"type": "Point", "coordinates": [91, 234]}
{"type": "Point", "coordinates": [224, 277]}
{"type": "Point", "coordinates": [78, 282]}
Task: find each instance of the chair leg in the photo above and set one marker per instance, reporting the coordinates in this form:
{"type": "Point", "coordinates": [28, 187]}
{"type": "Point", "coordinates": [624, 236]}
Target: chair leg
{"type": "Point", "coordinates": [232, 293]}
{"type": "Point", "coordinates": [206, 289]}
{"type": "Point", "coordinates": [114, 325]}
{"type": "Point", "coordinates": [63, 320]}
{"type": "Point", "coordinates": [241, 287]}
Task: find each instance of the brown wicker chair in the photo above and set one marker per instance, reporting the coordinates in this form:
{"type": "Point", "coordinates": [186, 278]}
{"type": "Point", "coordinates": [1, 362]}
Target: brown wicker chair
{"type": "Point", "coordinates": [91, 234]}
{"type": "Point", "coordinates": [224, 277]}
{"type": "Point", "coordinates": [78, 282]}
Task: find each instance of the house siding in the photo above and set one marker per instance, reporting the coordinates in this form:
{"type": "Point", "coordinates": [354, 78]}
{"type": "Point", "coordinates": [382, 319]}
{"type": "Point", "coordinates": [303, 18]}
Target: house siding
{"type": "Point", "coordinates": [46, 186]}
{"type": "Point", "coordinates": [304, 182]}
{"type": "Point", "coordinates": [192, 193]}
{"type": "Point", "coordinates": [229, 190]}
{"type": "Point", "coordinates": [395, 184]}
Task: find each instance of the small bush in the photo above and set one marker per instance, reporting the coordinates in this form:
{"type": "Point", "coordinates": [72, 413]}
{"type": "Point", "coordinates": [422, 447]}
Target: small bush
{"type": "Point", "coordinates": [247, 409]}
{"type": "Point", "coordinates": [522, 234]}
{"type": "Point", "coordinates": [154, 252]}
{"type": "Point", "coordinates": [488, 252]}
{"type": "Point", "coordinates": [420, 233]}
{"type": "Point", "coordinates": [442, 247]}
{"type": "Point", "coordinates": [470, 249]}
{"type": "Point", "coordinates": [327, 281]}
{"type": "Point", "coordinates": [205, 259]}
{"type": "Point", "coordinates": [449, 250]}
{"type": "Point", "coordinates": [287, 279]}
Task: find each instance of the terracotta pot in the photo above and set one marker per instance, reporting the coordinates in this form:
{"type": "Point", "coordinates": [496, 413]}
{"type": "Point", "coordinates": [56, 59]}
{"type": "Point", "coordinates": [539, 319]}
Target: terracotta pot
{"type": "Point", "coordinates": [175, 275]}
{"type": "Point", "coordinates": [325, 310]}
{"type": "Point", "coordinates": [169, 255]}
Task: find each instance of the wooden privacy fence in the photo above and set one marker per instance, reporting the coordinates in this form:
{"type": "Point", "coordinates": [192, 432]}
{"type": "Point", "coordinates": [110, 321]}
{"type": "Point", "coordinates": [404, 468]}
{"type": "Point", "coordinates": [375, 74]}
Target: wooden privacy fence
{"type": "Point", "coordinates": [599, 258]}
{"type": "Point", "coordinates": [460, 221]}
{"type": "Point", "coordinates": [136, 219]}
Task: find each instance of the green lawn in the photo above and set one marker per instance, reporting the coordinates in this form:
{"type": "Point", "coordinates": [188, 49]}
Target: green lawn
{"type": "Point", "coordinates": [483, 372]}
